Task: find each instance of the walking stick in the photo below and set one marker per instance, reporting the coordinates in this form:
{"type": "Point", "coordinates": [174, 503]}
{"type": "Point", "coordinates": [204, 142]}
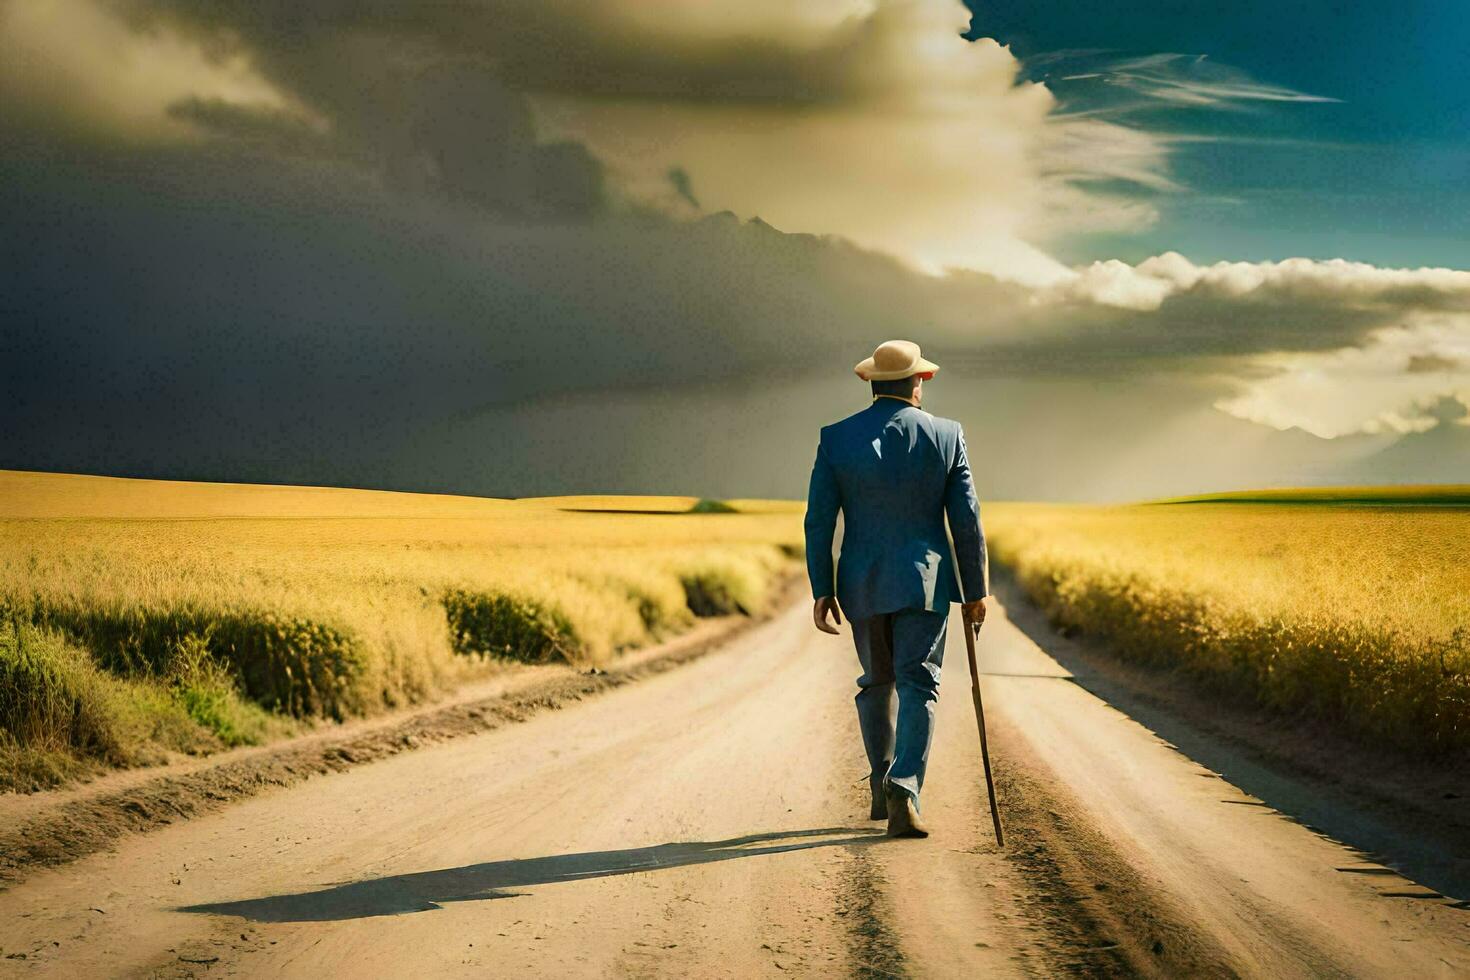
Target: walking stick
{"type": "Point", "coordinates": [1000, 839]}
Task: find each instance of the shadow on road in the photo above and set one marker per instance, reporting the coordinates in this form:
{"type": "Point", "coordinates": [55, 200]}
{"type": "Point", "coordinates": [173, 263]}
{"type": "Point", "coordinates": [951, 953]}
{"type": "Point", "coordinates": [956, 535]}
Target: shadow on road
{"type": "Point", "coordinates": [426, 890]}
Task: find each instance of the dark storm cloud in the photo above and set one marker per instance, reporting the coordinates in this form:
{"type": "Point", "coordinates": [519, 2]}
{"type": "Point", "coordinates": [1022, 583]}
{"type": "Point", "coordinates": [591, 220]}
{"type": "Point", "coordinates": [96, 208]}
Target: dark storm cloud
{"type": "Point", "coordinates": [453, 129]}
{"type": "Point", "coordinates": [265, 128]}
{"type": "Point", "coordinates": [243, 314]}
{"type": "Point", "coordinates": [1432, 363]}
{"type": "Point", "coordinates": [463, 133]}
{"type": "Point", "coordinates": [228, 255]}
{"type": "Point", "coordinates": [683, 186]}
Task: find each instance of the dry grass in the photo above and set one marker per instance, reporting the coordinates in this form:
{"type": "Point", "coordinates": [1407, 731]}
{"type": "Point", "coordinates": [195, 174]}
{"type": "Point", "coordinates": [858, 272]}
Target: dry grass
{"type": "Point", "coordinates": [63, 716]}
{"type": "Point", "coordinates": [326, 603]}
{"type": "Point", "coordinates": [1356, 614]}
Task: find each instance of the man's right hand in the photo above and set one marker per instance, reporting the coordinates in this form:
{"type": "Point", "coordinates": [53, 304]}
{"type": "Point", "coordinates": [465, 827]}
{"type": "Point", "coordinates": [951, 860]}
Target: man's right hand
{"type": "Point", "coordinates": [820, 609]}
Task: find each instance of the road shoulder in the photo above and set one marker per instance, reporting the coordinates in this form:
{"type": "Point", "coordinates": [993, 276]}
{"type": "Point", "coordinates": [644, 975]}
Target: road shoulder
{"type": "Point", "coordinates": [56, 827]}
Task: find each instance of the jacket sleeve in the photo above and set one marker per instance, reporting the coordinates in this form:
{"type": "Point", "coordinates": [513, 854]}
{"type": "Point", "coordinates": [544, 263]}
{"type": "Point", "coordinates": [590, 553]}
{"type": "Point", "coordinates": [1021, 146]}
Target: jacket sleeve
{"type": "Point", "coordinates": [963, 508]}
{"type": "Point", "coordinates": [822, 503]}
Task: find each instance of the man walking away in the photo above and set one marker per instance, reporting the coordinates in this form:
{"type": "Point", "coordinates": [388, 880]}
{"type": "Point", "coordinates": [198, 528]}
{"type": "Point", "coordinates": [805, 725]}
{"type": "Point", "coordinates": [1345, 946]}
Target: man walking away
{"type": "Point", "coordinates": [895, 472]}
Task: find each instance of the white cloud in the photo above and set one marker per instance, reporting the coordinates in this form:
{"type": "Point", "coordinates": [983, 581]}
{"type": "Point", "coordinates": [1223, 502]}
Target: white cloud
{"type": "Point", "coordinates": [891, 130]}
{"type": "Point", "coordinates": [1389, 384]}
{"type": "Point", "coordinates": [1306, 281]}
{"type": "Point", "coordinates": [1330, 347]}
{"type": "Point", "coordinates": [1118, 284]}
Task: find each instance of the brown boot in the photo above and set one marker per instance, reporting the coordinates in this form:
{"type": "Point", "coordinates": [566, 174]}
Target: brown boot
{"type": "Point", "coordinates": [903, 816]}
{"type": "Point", "coordinates": [879, 810]}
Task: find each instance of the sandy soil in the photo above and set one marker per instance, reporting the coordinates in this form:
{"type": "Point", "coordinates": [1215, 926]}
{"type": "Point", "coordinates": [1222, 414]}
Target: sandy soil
{"type": "Point", "coordinates": [708, 821]}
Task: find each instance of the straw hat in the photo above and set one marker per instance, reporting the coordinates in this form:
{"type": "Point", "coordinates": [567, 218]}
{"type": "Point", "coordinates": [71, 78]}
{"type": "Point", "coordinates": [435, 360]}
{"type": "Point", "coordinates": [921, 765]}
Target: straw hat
{"type": "Point", "coordinates": [893, 360]}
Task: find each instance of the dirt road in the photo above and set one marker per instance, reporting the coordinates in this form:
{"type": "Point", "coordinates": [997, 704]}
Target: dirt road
{"type": "Point", "coordinates": [708, 822]}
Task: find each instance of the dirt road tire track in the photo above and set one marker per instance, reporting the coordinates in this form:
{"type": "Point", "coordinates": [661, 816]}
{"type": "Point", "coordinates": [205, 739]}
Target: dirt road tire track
{"type": "Point", "coordinates": [1087, 896]}
{"type": "Point", "coordinates": [874, 950]}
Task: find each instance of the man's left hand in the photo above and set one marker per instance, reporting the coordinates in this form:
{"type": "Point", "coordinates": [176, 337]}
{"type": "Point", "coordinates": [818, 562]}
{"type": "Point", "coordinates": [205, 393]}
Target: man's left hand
{"type": "Point", "coordinates": [974, 615]}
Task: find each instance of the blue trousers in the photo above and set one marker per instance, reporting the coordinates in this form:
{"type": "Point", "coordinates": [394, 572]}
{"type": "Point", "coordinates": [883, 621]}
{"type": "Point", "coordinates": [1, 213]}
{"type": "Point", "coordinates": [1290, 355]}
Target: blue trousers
{"type": "Point", "coordinates": [900, 652]}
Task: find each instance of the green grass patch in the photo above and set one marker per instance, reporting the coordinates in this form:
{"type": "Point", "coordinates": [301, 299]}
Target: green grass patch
{"type": "Point", "coordinates": [720, 588]}
{"type": "Point", "coordinates": [52, 696]}
{"type": "Point", "coordinates": [62, 716]}
{"type": "Point", "coordinates": [207, 691]}
{"type": "Point", "coordinates": [707, 506]}
{"type": "Point", "coordinates": [658, 614]}
{"type": "Point", "coordinates": [710, 594]}
{"type": "Point", "coordinates": [284, 663]}
{"type": "Point", "coordinates": [488, 624]}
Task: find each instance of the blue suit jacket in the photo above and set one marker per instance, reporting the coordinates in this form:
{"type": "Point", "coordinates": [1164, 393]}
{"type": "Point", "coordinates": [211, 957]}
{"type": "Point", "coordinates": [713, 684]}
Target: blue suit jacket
{"type": "Point", "coordinates": [894, 471]}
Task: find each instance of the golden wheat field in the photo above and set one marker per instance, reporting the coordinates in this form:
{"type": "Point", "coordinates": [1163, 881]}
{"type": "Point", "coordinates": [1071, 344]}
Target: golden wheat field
{"type": "Point", "coordinates": [137, 616]}
{"type": "Point", "coordinates": [1352, 612]}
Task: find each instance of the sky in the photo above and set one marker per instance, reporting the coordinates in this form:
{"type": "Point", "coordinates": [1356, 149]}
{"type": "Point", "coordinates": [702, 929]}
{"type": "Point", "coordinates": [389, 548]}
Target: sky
{"type": "Point", "coordinates": [1379, 168]}
{"type": "Point", "coordinates": [555, 246]}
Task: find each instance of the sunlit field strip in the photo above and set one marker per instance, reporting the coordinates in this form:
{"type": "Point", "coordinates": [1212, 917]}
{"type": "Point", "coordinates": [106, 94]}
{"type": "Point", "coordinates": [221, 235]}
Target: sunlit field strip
{"type": "Point", "coordinates": [1358, 614]}
{"type": "Point", "coordinates": [249, 609]}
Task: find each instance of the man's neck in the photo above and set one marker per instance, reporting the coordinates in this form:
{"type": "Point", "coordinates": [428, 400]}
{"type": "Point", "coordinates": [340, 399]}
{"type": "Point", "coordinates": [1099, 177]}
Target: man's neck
{"type": "Point", "coordinates": [898, 398]}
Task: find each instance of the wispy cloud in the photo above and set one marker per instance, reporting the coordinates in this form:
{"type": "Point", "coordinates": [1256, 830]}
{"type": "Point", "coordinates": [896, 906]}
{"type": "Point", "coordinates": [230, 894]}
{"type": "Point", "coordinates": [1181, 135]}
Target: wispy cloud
{"type": "Point", "coordinates": [1195, 80]}
{"type": "Point", "coordinates": [1108, 83]}
{"type": "Point", "coordinates": [1121, 120]}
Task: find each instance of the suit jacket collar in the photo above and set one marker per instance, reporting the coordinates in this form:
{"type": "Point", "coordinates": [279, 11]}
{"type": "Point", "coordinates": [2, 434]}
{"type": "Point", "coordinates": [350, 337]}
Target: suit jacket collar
{"type": "Point", "coordinates": [890, 404]}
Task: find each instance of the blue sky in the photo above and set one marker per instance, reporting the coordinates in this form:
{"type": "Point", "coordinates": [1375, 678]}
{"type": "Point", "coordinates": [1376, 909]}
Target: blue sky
{"type": "Point", "coordinates": [1381, 175]}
